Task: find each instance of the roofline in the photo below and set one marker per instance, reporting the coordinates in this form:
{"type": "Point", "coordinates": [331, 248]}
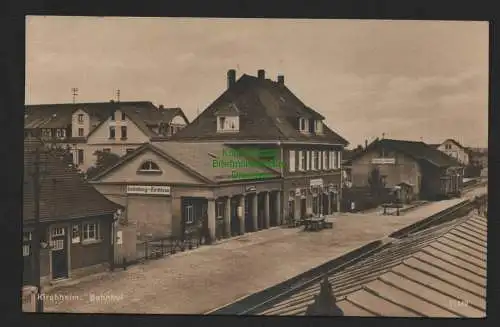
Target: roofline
{"type": "Point", "coordinates": [31, 220]}
{"type": "Point", "coordinates": [85, 103]}
{"type": "Point", "coordinates": [277, 142]}
{"type": "Point", "coordinates": [158, 151]}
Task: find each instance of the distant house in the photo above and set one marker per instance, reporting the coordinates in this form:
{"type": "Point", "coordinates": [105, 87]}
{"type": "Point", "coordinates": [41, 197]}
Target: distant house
{"type": "Point", "coordinates": [117, 127]}
{"type": "Point", "coordinates": [76, 220]}
{"type": "Point", "coordinates": [265, 115]}
{"type": "Point", "coordinates": [430, 172]}
{"type": "Point", "coordinates": [455, 150]}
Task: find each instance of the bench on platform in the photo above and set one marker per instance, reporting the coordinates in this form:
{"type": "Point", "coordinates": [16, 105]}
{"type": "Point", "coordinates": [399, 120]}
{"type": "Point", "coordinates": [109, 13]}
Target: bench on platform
{"type": "Point", "coordinates": [396, 206]}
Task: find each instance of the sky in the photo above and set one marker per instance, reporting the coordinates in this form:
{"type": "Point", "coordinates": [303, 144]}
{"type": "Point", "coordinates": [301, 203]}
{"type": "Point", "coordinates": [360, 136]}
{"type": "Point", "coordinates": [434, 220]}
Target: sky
{"type": "Point", "coordinates": [411, 80]}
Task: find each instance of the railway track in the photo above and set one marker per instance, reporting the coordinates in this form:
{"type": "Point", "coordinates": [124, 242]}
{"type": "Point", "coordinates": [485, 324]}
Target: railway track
{"type": "Point", "coordinates": [251, 304]}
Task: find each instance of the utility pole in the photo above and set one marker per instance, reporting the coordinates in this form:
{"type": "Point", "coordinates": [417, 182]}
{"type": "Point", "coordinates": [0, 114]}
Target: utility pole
{"type": "Point", "coordinates": [75, 93]}
{"type": "Point", "coordinates": [37, 231]}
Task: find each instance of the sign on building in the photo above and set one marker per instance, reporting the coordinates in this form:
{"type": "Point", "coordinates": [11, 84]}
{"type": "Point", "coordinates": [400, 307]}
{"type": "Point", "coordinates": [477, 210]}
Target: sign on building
{"type": "Point", "coordinates": [148, 189]}
{"type": "Point", "coordinates": [383, 161]}
{"type": "Point", "coordinates": [316, 182]}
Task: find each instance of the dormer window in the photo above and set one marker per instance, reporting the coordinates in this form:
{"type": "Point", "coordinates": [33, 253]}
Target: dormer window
{"type": "Point", "coordinates": [228, 118]}
{"type": "Point", "coordinates": [302, 125]}
{"type": "Point", "coordinates": [318, 127]}
{"type": "Point", "coordinates": [80, 118]}
{"type": "Point", "coordinates": [222, 123]}
{"type": "Point", "coordinates": [149, 166]}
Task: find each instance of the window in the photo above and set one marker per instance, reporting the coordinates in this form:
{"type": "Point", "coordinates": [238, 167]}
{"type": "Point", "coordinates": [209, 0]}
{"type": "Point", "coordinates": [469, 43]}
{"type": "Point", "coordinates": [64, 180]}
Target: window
{"type": "Point", "coordinates": [80, 118]}
{"type": "Point", "coordinates": [46, 132]}
{"type": "Point", "coordinates": [112, 116]}
{"type": "Point", "coordinates": [291, 163]}
{"type": "Point", "coordinates": [112, 132]}
{"type": "Point", "coordinates": [222, 122]}
{"type": "Point", "coordinates": [57, 231]}
{"type": "Point", "coordinates": [325, 160]}
{"type": "Point", "coordinates": [26, 236]}
{"type": "Point", "coordinates": [219, 209]}
{"type": "Point", "coordinates": [80, 132]}
{"type": "Point", "coordinates": [302, 162]}
{"type": "Point", "coordinates": [58, 133]}
{"type": "Point", "coordinates": [308, 160]}
{"type": "Point", "coordinates": [447, 146]}
{"type": "Point", "coordinates": [310, 123]}
{"type": "Point", "coordinates": [75, 234]}
{"type": "Point", "coordinates": [80, 156]}
{"type": "Point", "coordinates": [26, 250]}
{"type": "Point", "coordinates": [150, 166]}
{"type": "Point", "coordinates": [331, 158]}
{"type": "Point", "coordinates": [315, 164]}
{"type": "Point", "coordinates": [318, 126]}
{"type": "Point", "coordinates": [123, 116]}
{"type": "Point", "coordinates": [335, 157]}
{"type": "Point", "coordinates": [90, 232]}
{"type": "Point", "coordinates": [302, 124]}
{"type": "Point", "coordinates": [124, 132]}
{"type": "Point", "coordinates": [188, 214]}
{"type": "Point", "coordinates": [63, 133]}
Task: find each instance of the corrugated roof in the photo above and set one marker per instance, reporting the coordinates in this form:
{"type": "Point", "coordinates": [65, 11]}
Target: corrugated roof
{"type": "Point", "coordinates": [438, 272]}
{"type": "Point", "coordinates": [268, 111]}
{"type": "Point", "coordinates": [64, 194]}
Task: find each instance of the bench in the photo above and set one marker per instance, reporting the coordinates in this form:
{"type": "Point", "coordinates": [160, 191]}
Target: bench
{"type": "Point", "coordinates": [314, 224]}
{"type": "Point", "coordinates": [396, 206]}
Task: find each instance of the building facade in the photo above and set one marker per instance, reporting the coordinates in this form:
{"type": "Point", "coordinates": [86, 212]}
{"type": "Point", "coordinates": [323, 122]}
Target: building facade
{"type": "Point", "coordinates": [455, 150]}
{"type": "Point", "coordinates": [167, 187]}
{"type": "Point", "coordinates": [75, 220]}
{"type": "Point", "coordinates": [429, 172]}
{"type": "Point", "coordinates": [263, 115]}
{"type": "Point", "coordinates": [116, 127]}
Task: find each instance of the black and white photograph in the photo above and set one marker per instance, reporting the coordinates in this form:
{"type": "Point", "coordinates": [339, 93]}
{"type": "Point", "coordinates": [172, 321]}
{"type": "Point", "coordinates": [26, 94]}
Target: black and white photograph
{"type": "Point", "coordinates": [255, 166]}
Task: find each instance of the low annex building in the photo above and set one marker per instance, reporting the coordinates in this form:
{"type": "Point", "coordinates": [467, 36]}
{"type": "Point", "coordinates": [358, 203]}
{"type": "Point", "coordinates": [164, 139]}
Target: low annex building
{"type": "Point", "coordinates": [168, 186]}
{"type": "Point", "coordinates": [429, 173]}
{"type": "Point", "coordinates": [75, 219]}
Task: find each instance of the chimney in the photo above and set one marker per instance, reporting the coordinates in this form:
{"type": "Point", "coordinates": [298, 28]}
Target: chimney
{"type": "Point", "coordinates": [261, 74]}
{"type": "Point", "coordinates": [231, 77]}
{"type": "Point", "coordinates": [281, 79]}
{"type": "Point", "coordinates": [161, 107]}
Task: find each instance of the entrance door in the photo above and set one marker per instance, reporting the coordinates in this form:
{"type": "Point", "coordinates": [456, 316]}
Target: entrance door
{"type": "Point", "coordinates": [291, 210]}
{"type": "Point", "coordinates": [302, 208]}
{"type": "Point", "coordinates": [59, 253]}
{"type": "Point", "coordinates": [235, 221]}
{"type": "Point", "coordinates": [248, 214]}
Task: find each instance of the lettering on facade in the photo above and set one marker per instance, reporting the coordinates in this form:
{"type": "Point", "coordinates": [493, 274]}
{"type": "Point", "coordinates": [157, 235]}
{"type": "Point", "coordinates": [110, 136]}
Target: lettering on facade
{"type": "Point", "coordinates": [383, 161]}
{"type": "Point", "coordinates": [148, 189]}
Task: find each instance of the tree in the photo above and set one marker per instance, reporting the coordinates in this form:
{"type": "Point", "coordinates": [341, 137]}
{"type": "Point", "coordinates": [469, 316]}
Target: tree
{"type": "Point", "coordinates": [376, 183]}
{"type": "Point", "coordinates": [104, 161]}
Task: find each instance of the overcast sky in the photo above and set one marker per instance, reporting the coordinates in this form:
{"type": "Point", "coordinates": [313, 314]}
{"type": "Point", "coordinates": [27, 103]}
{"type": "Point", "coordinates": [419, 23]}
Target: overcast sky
{"type": "Point", "coordinates": [407, 79]}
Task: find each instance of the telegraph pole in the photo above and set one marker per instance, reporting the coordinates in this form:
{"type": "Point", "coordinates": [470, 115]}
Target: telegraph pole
{"type": "Point", "coordinates": [37, 232]}
{"type": "Point", "coordinates": [75, 93]}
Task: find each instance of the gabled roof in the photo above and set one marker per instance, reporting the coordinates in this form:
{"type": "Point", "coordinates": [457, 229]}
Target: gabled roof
{"type": "Point", "coordinates": [417, 150]}
{"type": "Point", "coordinates": [426, 274]}
{"type": "Point", "coordinates": [454, 142]}
{"type": "Point", "coordinates": [142, 113]}
{"type": "Point", "coordinates": [195, 158]}
{"type": "Point", "coordinates": [267, 111]}
{"type": "Point", "coordinates": [64, 194]}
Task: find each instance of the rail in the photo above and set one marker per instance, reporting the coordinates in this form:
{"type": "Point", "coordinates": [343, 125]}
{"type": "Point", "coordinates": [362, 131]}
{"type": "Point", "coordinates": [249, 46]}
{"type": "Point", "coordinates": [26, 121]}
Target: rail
{"type": "Point", "coordinates": [253, 303]}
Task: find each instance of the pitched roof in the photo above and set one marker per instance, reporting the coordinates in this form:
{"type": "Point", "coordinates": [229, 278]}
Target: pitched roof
{"type": "Point", "coordinates": [64, 194]}
{"type": "Point", "coordinates": [427, 274]}
{"type": "Point", "coordinates": [267, 111]}
{"type": "Point", "coordinates": [455, 142]}
{"type": "Point", "coordinates": [142, 113]}
{"type": "Point", "coordinates": [417, 150]}
{"type": "Point", "coordinates": [197, 158]}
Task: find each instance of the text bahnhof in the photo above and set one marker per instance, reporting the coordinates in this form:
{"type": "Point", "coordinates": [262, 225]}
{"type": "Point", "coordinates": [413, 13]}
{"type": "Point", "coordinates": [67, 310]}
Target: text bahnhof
{"type": "Point", "coordinates": [232, 162]}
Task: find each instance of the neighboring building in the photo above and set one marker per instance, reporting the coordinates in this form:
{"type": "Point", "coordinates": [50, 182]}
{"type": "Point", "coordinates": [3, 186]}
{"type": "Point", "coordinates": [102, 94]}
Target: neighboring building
{"type": "Point", "coordinates": [439, 272]}
{"type": "Point", "coordinates": [430, 172]}
{"type": "Point", "coordinates": [258, 113]}
{"type": "Point", "coordinates": [168, 186]}
{"type": "Point", "coordinates": [478, 157]}
{"type": "Point", "coordinates": [117, 127]}
{"type": "Point", "coordinates": [455, 150]}
{"type": "Point", "coordinates": [75, 219]}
